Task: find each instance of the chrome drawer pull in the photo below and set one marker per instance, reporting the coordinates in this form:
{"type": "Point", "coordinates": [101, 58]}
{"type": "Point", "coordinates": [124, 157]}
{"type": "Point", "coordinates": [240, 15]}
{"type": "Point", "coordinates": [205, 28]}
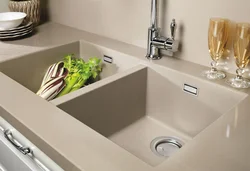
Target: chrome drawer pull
{"type": "Point", "coordinates": [8, 135]}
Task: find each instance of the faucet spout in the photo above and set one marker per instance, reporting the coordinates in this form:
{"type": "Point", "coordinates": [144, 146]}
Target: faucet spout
{"type": "Point", "coordinates": [154, 13]}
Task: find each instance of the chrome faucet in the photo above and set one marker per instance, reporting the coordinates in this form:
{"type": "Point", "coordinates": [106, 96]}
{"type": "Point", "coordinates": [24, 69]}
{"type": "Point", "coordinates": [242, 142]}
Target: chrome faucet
{"type": "Point", "coordinates": [155, 41]}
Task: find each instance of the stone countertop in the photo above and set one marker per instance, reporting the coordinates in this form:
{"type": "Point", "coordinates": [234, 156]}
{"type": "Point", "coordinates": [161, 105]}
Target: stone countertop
{"type": "Point", "coordinates": [223, 146]}
{"type": "Point", "coordinates": [51, 34]}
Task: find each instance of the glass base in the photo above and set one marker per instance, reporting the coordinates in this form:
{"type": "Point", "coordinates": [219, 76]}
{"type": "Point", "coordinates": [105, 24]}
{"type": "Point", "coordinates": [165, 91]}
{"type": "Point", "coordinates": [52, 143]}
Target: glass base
{"type": "Point", "coordinates": [214, 75]}
{"type": "Point", "coordinates": [238, 83]}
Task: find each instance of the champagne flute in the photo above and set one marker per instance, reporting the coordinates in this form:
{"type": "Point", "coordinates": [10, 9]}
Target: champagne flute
{"type": "Point", "coordinates": [217, 40]}
{"type": "Point", "coordinates": [241, 54]}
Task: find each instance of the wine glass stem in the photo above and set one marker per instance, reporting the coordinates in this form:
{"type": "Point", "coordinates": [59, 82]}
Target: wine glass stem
{"type": "Point", "coordinates": [213, 66]}
{"type": "Point", "coordinates": [239, 72]}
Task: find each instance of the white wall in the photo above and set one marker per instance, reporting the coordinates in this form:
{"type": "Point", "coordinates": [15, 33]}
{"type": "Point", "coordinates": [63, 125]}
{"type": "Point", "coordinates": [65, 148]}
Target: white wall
{"type": "Point", "coordinates": [128, 20]}
{"type": "Point", "coordinates": [4, 5]}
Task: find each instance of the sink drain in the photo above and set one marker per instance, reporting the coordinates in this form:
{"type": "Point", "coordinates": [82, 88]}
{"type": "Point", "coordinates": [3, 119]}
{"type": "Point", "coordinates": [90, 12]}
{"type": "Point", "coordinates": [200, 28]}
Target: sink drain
{"type": "Point", "coordinates": [165, 146]}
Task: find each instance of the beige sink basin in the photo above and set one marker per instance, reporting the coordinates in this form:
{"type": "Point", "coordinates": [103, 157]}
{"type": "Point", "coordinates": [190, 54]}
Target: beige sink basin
{"type": "Point", "coordinates": [149, 102]}
{"type": "Point", "coordinates": [133, 104]}
{"type": "Point", "coordinates": [29, 70]}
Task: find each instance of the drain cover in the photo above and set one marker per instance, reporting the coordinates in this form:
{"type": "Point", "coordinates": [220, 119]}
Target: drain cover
{"type": "Point", "coordinates": [165, 146]}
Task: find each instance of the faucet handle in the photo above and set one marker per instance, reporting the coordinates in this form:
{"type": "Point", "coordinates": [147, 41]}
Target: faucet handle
{"type": "Point", "coordinates": [173, 28]}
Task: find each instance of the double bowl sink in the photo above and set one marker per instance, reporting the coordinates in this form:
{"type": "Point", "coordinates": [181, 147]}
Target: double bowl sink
{"type": "Point", "coordinates": [135, 101]}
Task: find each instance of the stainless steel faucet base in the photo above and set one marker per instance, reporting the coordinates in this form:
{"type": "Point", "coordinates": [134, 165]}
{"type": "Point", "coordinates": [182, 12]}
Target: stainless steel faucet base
{"type": "Point", "coordinates": [155, 41]}
{"type": "Point", "coordinates": [156, 53]}
{"type": "Point", "coordinates": [153, 57]}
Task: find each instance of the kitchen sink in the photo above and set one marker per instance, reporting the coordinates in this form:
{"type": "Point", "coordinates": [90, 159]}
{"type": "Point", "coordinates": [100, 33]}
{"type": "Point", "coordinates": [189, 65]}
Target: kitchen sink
{"type": "Point", "coordinates": [29, 70]}
{"type": "Point", "coordinates": [148, 103]}
{"type": "Point", "coordinates": [148, 110]}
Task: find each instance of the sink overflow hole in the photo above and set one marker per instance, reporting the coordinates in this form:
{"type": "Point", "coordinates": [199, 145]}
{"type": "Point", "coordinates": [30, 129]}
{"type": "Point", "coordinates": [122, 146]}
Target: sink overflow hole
{"type": "Point", "coordinates": [107, 59]}
{"type": "Point", "coordinates": [165, 146]}
{"type": "Point", "coordinates": [190, 89]}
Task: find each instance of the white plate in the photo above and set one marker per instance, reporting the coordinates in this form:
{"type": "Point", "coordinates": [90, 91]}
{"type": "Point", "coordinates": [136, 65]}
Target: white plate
{"type": "Point", "coordinates": [16, 33]}
{"type": "Point", "coordinates": [16, 36]}
{"type": "Point", "coordinates": [18, 28]}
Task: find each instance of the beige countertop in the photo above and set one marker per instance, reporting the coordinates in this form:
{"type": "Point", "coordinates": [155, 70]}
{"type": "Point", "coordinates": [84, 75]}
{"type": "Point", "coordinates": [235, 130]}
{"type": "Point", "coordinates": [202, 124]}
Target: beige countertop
{"type": "Point", "coordinates": [223, 146]}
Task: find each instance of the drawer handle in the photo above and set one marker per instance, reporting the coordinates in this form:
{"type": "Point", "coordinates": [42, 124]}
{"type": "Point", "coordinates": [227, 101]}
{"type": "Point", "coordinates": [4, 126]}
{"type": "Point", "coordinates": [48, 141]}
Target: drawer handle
{"type": "Point", "coordinates": [9, 136]}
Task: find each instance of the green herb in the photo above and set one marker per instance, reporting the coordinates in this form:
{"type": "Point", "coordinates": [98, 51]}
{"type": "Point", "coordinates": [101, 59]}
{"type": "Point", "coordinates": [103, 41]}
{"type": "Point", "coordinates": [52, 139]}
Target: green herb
{"type": "Point", "coordinates": [79, 72]}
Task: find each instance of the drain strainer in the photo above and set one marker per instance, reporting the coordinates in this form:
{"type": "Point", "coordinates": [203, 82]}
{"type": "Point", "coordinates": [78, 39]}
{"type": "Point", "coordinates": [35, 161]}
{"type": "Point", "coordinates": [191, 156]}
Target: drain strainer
{"type": "Point", "coordinates": [165, 146]}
